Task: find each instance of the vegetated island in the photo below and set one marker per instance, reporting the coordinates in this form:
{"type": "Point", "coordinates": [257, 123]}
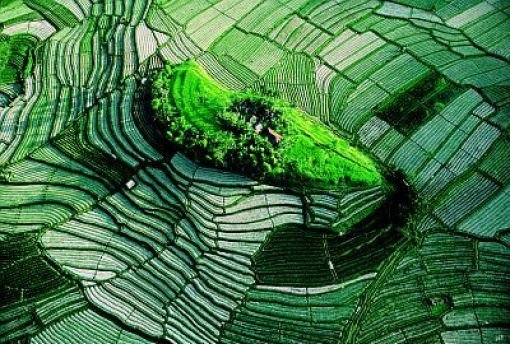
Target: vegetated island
{"type": "Point", "coordinates": [259, 136]}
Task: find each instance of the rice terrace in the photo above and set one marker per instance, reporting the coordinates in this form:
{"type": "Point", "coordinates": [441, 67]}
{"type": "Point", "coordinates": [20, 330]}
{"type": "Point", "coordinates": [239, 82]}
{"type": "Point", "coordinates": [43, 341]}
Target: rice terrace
{"type": "Point", "coordinates": [254, 171]}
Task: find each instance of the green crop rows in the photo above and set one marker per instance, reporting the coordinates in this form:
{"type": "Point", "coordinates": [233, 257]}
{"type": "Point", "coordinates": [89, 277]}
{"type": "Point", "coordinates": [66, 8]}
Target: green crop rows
{"type": "Point", "coordinates": [108, 235]}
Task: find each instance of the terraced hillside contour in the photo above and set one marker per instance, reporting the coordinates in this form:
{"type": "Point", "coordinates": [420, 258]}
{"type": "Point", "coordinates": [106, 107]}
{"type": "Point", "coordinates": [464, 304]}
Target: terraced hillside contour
{"type": "Point", "coordinates": [110, 237]}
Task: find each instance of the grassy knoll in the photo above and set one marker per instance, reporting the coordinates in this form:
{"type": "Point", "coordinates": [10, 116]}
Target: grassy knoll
{"type": "Point", "coordinates": [219, 127]}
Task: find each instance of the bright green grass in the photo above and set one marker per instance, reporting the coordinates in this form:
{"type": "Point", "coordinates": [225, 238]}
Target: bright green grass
{"type": "Point", "coordinates": [312, 155]}
{"type": "Point", "coordinates": [198, 97]}
{"type": "Point", "coordinates": [320, 156]}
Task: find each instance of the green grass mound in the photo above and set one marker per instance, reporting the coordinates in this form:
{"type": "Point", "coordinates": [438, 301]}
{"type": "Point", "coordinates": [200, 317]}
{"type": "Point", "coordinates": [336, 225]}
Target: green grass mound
{"type": "Point", "coordinates": [262, 137]}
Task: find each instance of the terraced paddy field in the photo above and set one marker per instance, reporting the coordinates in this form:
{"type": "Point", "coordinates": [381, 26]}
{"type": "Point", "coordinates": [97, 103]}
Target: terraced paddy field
{"type": "Point", "coordinates": [109, 234]}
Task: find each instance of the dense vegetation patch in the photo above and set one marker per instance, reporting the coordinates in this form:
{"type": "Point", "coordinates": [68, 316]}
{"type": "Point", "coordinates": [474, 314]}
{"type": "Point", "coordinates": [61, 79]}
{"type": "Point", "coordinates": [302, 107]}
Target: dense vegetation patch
{"type": "Point", "coordinates": [14, 51]}
{"type": "Point", "coordinates": [260, 136]}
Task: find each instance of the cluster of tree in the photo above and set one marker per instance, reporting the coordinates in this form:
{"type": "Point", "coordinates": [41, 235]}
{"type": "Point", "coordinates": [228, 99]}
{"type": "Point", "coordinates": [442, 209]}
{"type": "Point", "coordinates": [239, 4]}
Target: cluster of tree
{"type": "Point", "coordinates": [261, 113]}
{"type": "Point", "coordinates": [260, 108]}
